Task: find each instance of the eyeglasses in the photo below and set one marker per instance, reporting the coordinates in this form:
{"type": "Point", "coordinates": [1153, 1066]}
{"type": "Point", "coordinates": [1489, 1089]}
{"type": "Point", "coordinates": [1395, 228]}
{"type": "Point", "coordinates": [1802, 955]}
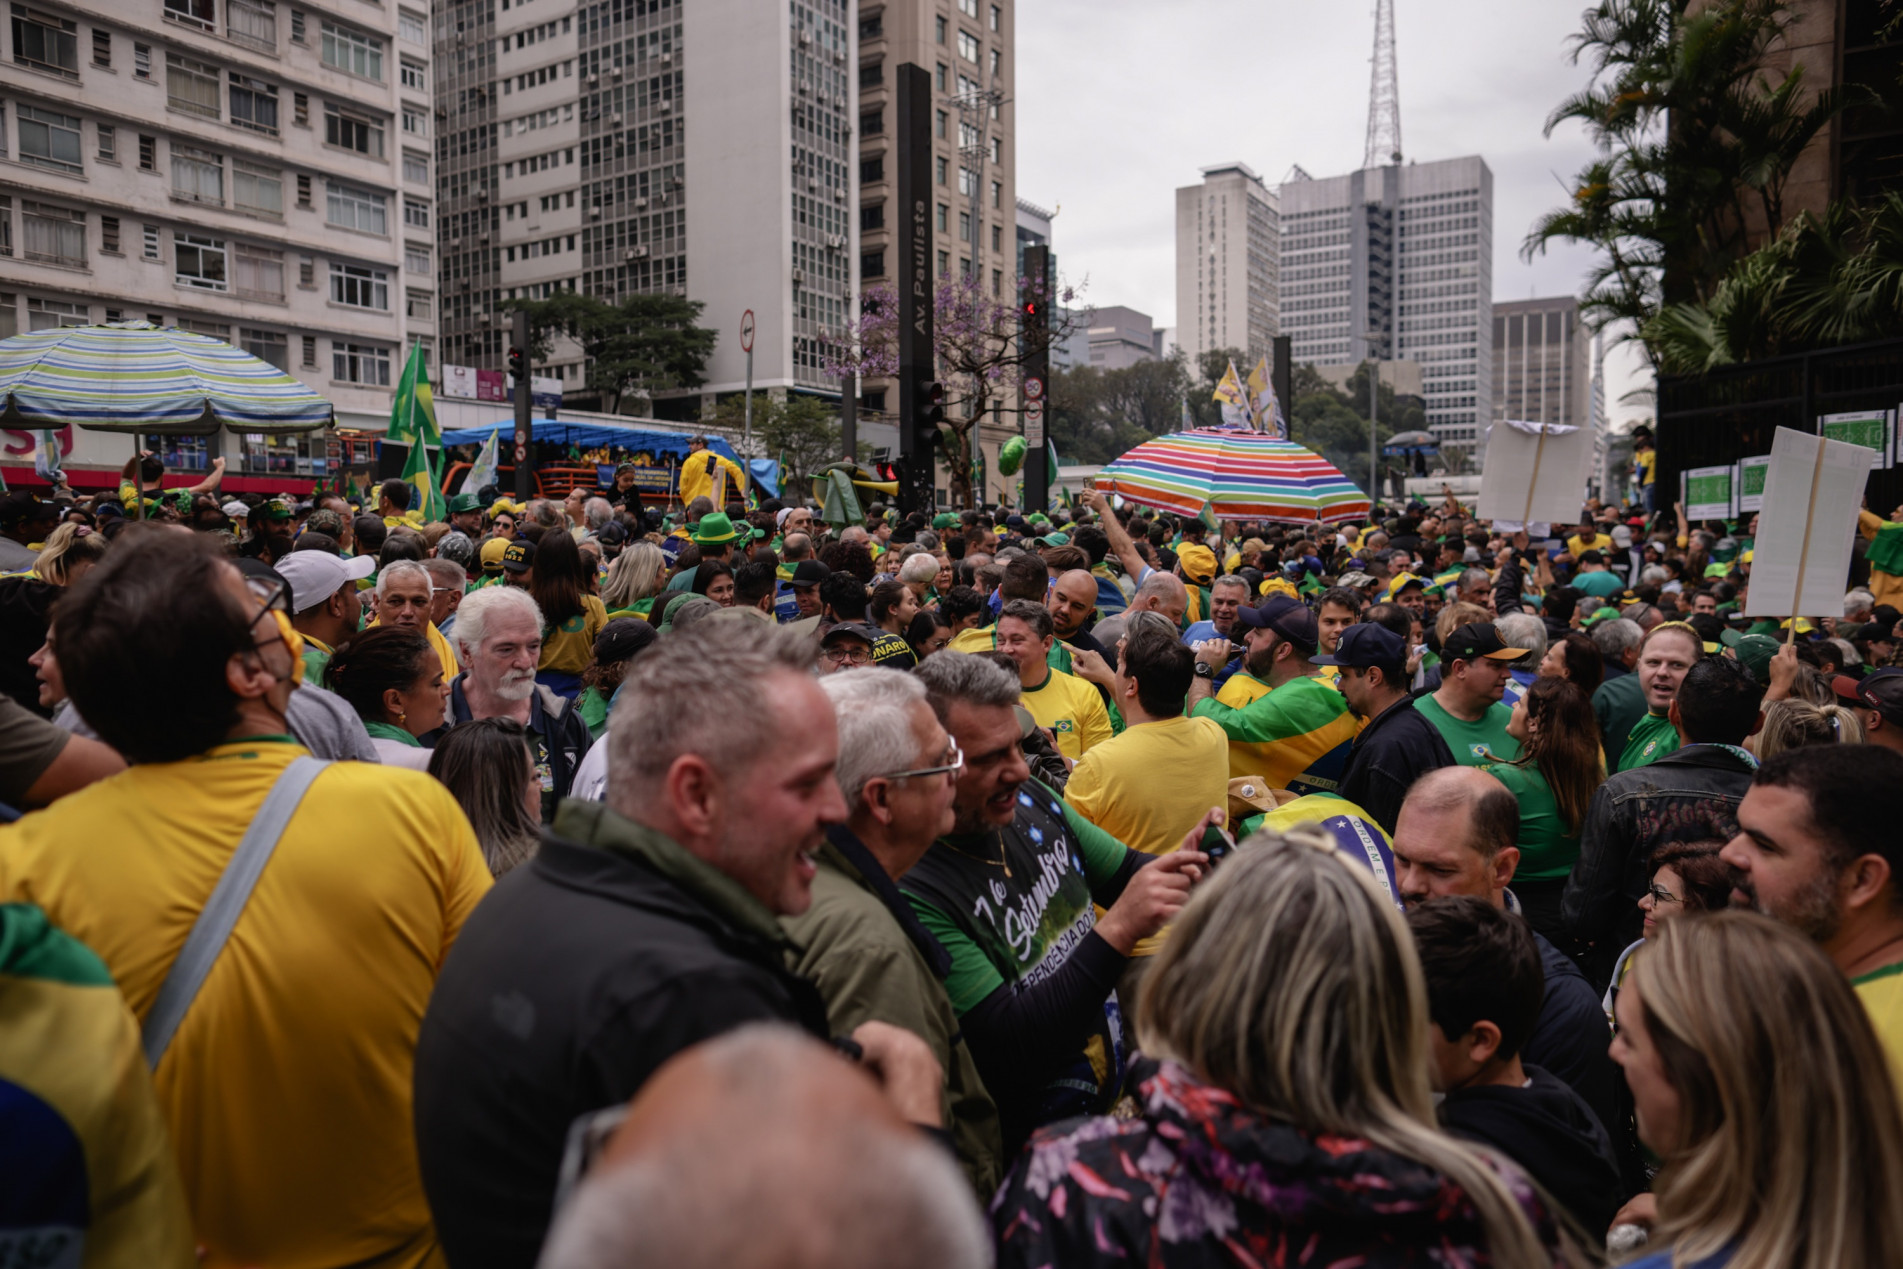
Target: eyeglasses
{"type": "Point", "coordinates": [275, 596]}
{"type": "Point", "coordinates": [840, 656]}
{"type": "Point", "coordinates": [953, 764]}
{"type": "Point", "coordinates": [1661, 895]}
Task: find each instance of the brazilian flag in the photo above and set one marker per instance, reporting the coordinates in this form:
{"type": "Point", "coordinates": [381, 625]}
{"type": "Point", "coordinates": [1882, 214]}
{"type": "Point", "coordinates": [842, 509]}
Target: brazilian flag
{"type": "Point", "coordinates": [413, 422]}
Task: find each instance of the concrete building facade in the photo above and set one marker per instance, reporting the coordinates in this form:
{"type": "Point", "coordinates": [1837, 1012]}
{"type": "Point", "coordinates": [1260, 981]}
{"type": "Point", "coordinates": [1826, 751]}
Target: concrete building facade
{"type": "Point", "coordinates": [1546, 368]}
{"type": "Point", "coordinates": [252, 170]}
{"type": "Point", "coordinates": [1120, 337]}
{"type": "Point", "coordinates": [1396, 263]}
{"type": "Point", "coordinates": [1228, 283]}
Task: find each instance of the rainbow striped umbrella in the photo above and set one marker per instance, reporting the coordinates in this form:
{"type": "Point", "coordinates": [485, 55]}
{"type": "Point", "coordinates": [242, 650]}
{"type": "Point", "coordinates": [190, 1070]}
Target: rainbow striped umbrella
{"type": "Point", "coordinates": [1238, 475]}
{"type": "Point", "coordinates": [135, 377]}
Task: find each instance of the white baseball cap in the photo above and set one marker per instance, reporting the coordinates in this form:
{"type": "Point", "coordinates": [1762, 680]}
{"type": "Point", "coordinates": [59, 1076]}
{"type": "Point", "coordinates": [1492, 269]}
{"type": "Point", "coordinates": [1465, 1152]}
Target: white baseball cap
{"type": "Point", "coordinates": [315, 575]}
{"type": "Point", "coordinates": [236, 509]}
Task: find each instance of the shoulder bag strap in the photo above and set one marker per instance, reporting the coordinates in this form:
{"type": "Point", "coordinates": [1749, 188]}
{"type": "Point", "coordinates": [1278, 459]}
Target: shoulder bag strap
{"type": "Point", "coordinates": [221, 911]}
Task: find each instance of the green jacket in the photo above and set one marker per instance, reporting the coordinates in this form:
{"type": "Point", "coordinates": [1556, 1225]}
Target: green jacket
{"type": "Point", "coordinates": [855, 945]}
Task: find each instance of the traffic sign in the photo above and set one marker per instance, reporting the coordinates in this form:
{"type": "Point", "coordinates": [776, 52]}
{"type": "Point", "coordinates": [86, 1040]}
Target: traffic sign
{"type": "Point", "coordinates": [1034, 425]}
{"type": "Point", "coordinates": [1033, 388]}
{"type": "Point", "coordinates": [746, 331]}
{"type": "Point", "coordinates": [521, 453]}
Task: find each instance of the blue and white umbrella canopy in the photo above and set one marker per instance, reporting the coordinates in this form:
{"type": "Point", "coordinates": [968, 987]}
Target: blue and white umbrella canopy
{"type": "Point", "coordinates": [139, 378]}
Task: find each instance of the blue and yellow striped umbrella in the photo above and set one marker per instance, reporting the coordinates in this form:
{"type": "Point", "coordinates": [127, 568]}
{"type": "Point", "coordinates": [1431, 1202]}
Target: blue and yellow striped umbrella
{"type": "Point", "coordinates": [1237, 475]}
{"type": "Point", "coordinates": [136, 377]}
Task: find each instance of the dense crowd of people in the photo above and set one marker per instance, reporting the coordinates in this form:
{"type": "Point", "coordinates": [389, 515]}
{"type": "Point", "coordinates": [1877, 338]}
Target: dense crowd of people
{"type": "Point", "coordinates": [577, 884]}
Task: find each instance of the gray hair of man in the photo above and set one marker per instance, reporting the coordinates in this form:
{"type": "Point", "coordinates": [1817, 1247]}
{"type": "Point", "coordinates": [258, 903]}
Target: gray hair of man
{"type": "Point", "coordinates": [1474, 577]}
{"type": "Point", "coordinates": [1653, 575]}
{"type": "Point", "coordinates": [473, 618]}
{"type": "Point", "coordinates": [952, 678]}
{"type": "Point", "coordinates": [400, 569]}
{"type": "Point", "coordinates": [671, 706]}
{"type": "Point", "coordinates": [597, 512]}
{"type": "Point", "coordinates": [874, 709]}
{"type": "Point", "coordinates": [819, 1189]}
{"type": "Point", "coordinates": [1162, 587]}
{"type": "Point", "coordinates": [918, 568]}
{"type": "Point", "coordinates": [1858, 601]}
{"type": "Point", "coordinates": [445, 573]}
{"type": "Point", "coordinates": [1615, 638]}
{"type": "Point", "coordinates": [1523, 630]}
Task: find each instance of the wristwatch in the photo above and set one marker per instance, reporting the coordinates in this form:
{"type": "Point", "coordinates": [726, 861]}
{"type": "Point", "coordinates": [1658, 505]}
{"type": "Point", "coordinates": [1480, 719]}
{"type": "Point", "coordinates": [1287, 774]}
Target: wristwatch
{"type": "Point", "coordinates": [1204, 670]}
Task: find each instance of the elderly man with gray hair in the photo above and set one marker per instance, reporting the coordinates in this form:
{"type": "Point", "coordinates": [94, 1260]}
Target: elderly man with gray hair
{"type": "Point", "coordinates": [643, 926]}
{"type": "Point", "coordinates": [1521, 630]}
{"type": "Point", "coordinates": [860, 942]}
{"type": "Point", "coordinates": [1618, 702]}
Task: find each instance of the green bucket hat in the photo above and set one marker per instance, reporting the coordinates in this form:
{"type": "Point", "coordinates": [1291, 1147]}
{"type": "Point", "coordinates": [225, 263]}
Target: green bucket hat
{"type": "Point", "coordinates": [714, 529]}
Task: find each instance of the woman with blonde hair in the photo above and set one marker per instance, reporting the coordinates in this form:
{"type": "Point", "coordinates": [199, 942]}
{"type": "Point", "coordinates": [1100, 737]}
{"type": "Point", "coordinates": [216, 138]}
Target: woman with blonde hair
{"type": "Point", "coordinates": [1793, 724]}
{"type": "Point", "coordinates": [1285, 1103]}
{"type": "Point", "coordinates": [634, 579]}
{"type": "Point", "coordinates": [68, 552]}
{"type": "Point", "coordinates": [1758, 1081]}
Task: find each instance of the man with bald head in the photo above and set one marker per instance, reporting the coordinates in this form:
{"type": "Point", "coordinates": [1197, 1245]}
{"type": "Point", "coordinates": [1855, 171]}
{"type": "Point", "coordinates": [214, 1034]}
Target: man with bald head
{"type": "Point", "coordinates": [1455, 836]}
{"type": "Point", "coordinates": [1160, 592]}
{"type": "Point", "coordinates": [1072, 604]}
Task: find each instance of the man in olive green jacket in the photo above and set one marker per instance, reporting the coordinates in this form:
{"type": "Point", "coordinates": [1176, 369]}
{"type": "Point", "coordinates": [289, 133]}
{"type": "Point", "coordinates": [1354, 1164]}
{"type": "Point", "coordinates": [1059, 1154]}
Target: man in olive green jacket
{"type": "Point", "coordinates": [860, 942]}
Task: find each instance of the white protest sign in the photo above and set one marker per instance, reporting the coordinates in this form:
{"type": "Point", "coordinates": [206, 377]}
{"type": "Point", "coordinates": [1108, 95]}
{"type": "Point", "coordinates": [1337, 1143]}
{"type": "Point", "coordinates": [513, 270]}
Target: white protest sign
{"type": "Point", "coordinates": [1751, 474]}
{"type": "Point", "coordinates": [1872, 429]}
{"type": "Point", "coordinates": [1534, 472]}
{"type": "Point", "coordinates": [1708, 492]}
{"type": "Point", "coordinates": [1811, 494]}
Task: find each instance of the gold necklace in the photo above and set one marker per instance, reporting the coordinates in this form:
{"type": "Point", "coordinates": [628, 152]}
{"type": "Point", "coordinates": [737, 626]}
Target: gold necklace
{"type": "Point", "coordinates": [999, 862]}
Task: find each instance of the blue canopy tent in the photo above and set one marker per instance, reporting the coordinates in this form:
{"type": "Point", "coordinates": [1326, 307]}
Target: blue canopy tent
{"type": "Point", "coordinates": [588, 435]}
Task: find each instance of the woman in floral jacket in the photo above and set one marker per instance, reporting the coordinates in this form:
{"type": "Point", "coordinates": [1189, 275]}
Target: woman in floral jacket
{"type": "Point", "coordinates": [1284, 1117]}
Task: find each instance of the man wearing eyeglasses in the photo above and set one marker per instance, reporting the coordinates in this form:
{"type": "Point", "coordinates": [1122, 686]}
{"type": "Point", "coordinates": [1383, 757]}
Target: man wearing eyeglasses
{"type": "Point", "coordinates": [846, 646]}
{"type": "Point", "coordinates": [860, 943]}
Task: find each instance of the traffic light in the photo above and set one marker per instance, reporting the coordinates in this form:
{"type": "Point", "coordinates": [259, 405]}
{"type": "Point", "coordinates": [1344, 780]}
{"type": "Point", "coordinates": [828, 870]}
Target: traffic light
{"type": "Point", "coordinates": [1033, 310]}
{"type": "Point", "coordinates": [519, 363]}
{"type": "Point", "coordinates": [931, 403]}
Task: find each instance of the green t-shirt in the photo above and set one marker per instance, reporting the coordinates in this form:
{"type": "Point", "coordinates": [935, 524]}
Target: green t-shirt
{"type": "Point", "coordinates": [593, 708]}
{"type": "Point", "coordinates": [1547, 848]}
{"type": "Point", "coordinates": [1651, 738]}
{"type": "Point", "coordinates": [1598, 584]}
{"type": "Point", "coordinates": [1474, 744]}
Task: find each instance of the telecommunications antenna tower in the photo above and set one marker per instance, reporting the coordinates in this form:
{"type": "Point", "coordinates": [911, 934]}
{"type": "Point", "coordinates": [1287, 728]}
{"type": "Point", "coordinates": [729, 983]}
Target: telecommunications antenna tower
{"type": "Point", "coordinates": [1384, 93]}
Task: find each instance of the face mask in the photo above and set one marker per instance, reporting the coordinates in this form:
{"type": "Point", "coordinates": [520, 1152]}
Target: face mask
{"type": "Point", "coordinates": [293, 644]}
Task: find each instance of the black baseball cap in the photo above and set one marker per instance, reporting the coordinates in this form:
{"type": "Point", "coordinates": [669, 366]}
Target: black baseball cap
{"type": "Point", "coordinates": [809, 573]}
{"type": "Point", "coordinates": [1881, 690]}
{"type": "Point", "coordinates": [1476, 641]}
{"type": "Point", "coordinates": [1366, 644]}
{"type": "Point", "coordinates": [519, 556]}
{"type": "Point", "coordinates": [1288, 617]}
{"type": "Point", "coordinates": [622, 638]}
{"type": "Point", "coordinates": [854, 629]}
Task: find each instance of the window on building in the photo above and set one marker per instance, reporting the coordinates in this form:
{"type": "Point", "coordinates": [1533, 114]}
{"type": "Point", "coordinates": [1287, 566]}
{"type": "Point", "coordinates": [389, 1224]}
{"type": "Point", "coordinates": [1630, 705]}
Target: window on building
{"type": "Point", "coordinates": [941, 218]}
{"type": "Point", "coordinates": [148, 153]}
{"type": "Point", "coordinates": [939, 28]}
{"type": "Point", "coordinates": [941, 77]}
{"type": "Point", "coordinates": [997, 237]}
{"type": "Point", "coordinates": [198, 175]}
{"type": "Point", "coordinates": [415, 214]}
{"type": "Point", "coordinates": [872, 28]}
{"type": "Point", "coordinates": [259, 274]}
{"type": "Point", "coordinates": [964, 267]}
{"type": "Point", "coordinates": [415, 120]}
{"type": "Point", "coordinates": [200, 262]}
{"type": "Point", "coordinates": [416, 258]}
{"type": "Point", "coordinates": [109, 236]}
{"type": "Point", "coordinates": [257, 189]}
{"type": "Point", "coordinates": [872, 170]}
{"type": "Point", "coordinates": [997, 151]}
{"type": "Point", "coordinates": [191, 85]}
{"type": "Point", "coordinates": [269, 346]}
{"type": "Point", "coordinates": [416, 304]}
{"type": "Point", "coordinates": [350, 131]}
{"type": "Point", "coordinates": [49, 314]}
{"type": "Point", "coordinates": [964, 226]}
{"type": "Point", "coordinates": [871, 74]}
{"type": "Point", "coordinates": [360, 363]}
{"type": "Point", "coordinates": [6, 245]}
{"type": "Point", "coordinates": [997, 18]}
{"type": "Point", "coordinates": [254, 104]}
{"type": "Point", "coordinates": [359, 287]}
{"type": "Point", "coordinates": [303, 191]}
{"type": "Point", "coordinates": [151, 235]}
{"type": "Point", "coordinates": [872, 264]}
{"type": "Point", "coordinates": [45, 42]}
{"type": "Point", "coordinates": [310, 352]}
{"type": "Point", "coordinates": [102, 47]}
{"type": "Point", "coordinates": [49, 139]}
{"type": "Point", "coordinates": [108, 142]}
{"type": "Point", "coordinates": [968, 7]}
{"type": "Point", "coordinates": [351, 50]}
{"type": "Point", "coordinates": [252, 22]}
{"type": "Point", "coordinates": [415, 168]}
{"type": "Point", "coordinates": [944, 263]}
{"type": "Point", "coordinates": [53, 235]}
{"type": "Point", "coordinates": [997, 63]}
{"type": "Point", "coordinates": [997, 282]}
{"type": "Point", "coordinates": [306, 273]}
{"type": "Point", "coordinates": [872, 123]}
{"type": "Point", "coordinates": [997, 194]}
{"type": "Point", "coordinates": [300, 110]}
{"type": "Point", "coordinates": [968, 46]}
{"type": "Point", "coordinates": [940, 123]}
{"type": "Point", "coordinates": [356, 209]}
{"type": "Point", "coordinates": [415, 75]}
{"type": "Point", "coordinates": [940, 167]}
{"type": "Point", "coordinates": [967, 182]}
{"type": "Point", "coordinates": [192, 12]}
{"type": "Point", "coordinates": [141, 61]}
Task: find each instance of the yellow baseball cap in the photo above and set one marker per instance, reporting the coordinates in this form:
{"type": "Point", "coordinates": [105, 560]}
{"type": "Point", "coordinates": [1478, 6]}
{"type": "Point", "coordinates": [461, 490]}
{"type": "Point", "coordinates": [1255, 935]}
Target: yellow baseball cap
{"type": "Point", "coordinates": [492, 554]}
{"type": "Point", "coordinates": [1198, 563]}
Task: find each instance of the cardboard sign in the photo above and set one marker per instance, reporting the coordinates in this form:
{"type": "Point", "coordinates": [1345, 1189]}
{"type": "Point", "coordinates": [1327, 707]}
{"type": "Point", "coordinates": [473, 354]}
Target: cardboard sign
{"type": "Point", "coordinates": [1812, 490]}
{"type": "Point", "coordinates": [1872, 429]}
{"type": "Point", "coordinates": [1709, 493]}
{"type": "Point", "coordinates": [1534, 472]}
{"type": "Point", "coordinates": [1751, 474]}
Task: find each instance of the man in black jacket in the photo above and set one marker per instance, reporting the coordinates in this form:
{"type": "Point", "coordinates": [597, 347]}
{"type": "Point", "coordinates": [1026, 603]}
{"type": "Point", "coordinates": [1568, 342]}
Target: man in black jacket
{"type": "Point", "coordinates": [1399, 743]}
{"type": "Point", "coordinates": [643, 927]}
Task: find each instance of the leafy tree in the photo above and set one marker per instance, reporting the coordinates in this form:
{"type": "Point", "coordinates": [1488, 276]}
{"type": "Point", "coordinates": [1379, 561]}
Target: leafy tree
{"type": "Point", "coordinates": [802, 432]}
{"type": "Point", "coordinates": [645, 344]}
{"type": "Point", "coordinates": [1334, 422]}
{"type": "Point", "coordinates": [1096, 415]}
{"type": "Point", "coordinates": [1695, 146]}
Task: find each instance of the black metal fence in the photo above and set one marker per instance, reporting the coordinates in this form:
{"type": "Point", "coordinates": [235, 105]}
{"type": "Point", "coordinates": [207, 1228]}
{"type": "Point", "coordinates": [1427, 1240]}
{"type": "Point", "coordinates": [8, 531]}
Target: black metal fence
{"type": "Point", "coordinates": [1725, 415]}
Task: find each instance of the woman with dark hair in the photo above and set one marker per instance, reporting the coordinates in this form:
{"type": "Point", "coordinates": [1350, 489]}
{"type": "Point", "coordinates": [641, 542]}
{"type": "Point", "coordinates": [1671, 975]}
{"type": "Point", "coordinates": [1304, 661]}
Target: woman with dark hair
{"type": "Point", "coordinates": [619, 642]}
{"type": "Point", "coordinates": [1554, 778]}
{"type": "Point", "coordinates": [571, 616]}
{"type": "Point", "coordinates": [488, 767]}
{"type": "Point", "coordinates": [714, 579]}
{"type": "Point", "coordinates": [1575, 659]}
{"type": "Point", "coordinates": [928, 633]}
{"type": "Point", "coordinates": [393, 678]}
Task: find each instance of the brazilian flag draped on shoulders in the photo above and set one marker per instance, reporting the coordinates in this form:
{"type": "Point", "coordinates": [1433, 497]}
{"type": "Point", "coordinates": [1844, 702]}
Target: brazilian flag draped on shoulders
{"type": "Point", "coordinates": [413, 423]}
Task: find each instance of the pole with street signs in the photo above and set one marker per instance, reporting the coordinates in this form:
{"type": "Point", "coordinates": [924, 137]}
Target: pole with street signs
{"type": "Point", "coordinates": [746, 344]}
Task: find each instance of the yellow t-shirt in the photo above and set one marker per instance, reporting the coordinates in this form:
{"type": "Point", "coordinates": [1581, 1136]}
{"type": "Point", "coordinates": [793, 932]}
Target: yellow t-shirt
{"type": "Point", "coordinates": [976, 639]}
{"type": "Point", "coordinates": [572, 648]}
{"type": "Point", "coordinates": [1072, 710]}
{"type": "Point", "coordinates": [287, 1086]}
{"type": "Point", "coordinates": [1152, 784]}
{"type": "Point", "coordinates": [1579, 545]}
{"type": "Point", "coordinates": [445, 650]}
{"type": "Point", "coordinates": [1881, 992]}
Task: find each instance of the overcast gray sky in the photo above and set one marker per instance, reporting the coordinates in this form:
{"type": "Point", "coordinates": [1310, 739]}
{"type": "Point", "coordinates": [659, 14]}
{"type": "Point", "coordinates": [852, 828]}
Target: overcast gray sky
{"type": "Point", "coordinates": [1120, 102]}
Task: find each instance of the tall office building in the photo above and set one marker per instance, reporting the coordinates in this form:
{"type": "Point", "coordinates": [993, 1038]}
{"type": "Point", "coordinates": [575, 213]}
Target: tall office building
{"type": "Point", "coordinates": [630, 146]}
{"type": "Point", "coordinates": [967, 47]}
{"type": "Point", "coordinates": [247, 169]}
{"type": "Point", "coordinates": [1228, 292]}
{"type": "Point", "coordinates": [1545, 367]}
{"type": "Point", "coordinates": [1395, 263]}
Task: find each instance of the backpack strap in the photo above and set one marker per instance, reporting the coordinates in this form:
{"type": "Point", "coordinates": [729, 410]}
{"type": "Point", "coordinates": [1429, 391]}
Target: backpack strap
{"type": "Point", "coordinates": [227, 902]}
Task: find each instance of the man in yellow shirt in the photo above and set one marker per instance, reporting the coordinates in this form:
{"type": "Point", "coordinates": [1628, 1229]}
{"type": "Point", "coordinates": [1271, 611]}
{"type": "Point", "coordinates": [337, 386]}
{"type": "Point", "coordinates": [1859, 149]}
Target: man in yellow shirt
{"type": "Point", "coordinates": [404, 597]}
{"type": "Point", "coordinates": [286, 1086]}
{"type": "Point", "coordinates": [1589, 538]}
{"type": "Point", "coordinates": [1154, 783]}
{"type": "Point", "coordinates": [1817, 849]}
{"type": "Point", "coordinates": [697, 475]}
{"type": "Point", "coordinates": [1062, 703]}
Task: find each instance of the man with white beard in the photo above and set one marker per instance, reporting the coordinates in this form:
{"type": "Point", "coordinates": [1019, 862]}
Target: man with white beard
{"type": "Point", "coordinates": [499, 639]}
